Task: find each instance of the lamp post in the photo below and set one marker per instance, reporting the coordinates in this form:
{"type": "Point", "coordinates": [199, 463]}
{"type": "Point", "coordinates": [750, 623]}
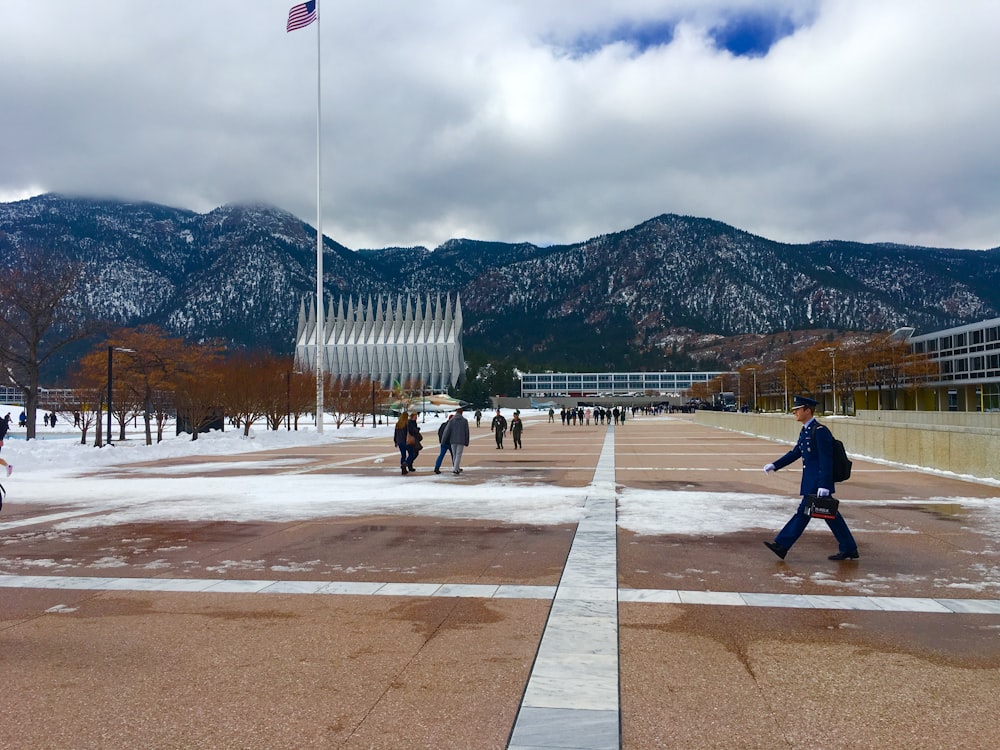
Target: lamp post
{"type": "Point", "coordinates": [111, 351]}
{"type": "Point", "coordinates": [833, 357]}
{"type": "Point", "coordinates": [288, 401]}
{"type": "Point", "coordinates": [785, 363]}
{"type": "Point", "coordinates": [754, 371]}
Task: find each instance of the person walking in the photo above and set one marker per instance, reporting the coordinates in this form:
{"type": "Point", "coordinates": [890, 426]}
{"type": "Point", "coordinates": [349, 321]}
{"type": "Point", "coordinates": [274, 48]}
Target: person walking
{"type": "Point", "coordinates": [399, 440]}
{"type": "Point", "coordinates": [815, 448]}
{"type": "Point", "coordinates": [4, 428]}
{"type": "Point", "coordinates": [516, 428]}
{"type": "Point", "coordinates": [416, 445]}
{"type": "Point", "coordinates": [445, 445]}
{"type": "Point", "coordinates": [499, 427]}
{"type": "Point", "coordinates": [479, 416]}
{"type": "Point", "coordinates": [457, 434]}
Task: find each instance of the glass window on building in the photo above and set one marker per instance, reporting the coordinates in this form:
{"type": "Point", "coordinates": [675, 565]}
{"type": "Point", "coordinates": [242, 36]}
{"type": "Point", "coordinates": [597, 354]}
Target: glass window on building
{"type": "Point", "coordinates": [990, 396]}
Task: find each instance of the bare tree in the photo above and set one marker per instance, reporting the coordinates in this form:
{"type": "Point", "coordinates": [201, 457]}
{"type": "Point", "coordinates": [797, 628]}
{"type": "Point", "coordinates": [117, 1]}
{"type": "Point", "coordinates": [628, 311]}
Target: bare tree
{"type": "Point", "coordinates": [37, 320]}
{"type": "Point", "coordinates": [353, 399]}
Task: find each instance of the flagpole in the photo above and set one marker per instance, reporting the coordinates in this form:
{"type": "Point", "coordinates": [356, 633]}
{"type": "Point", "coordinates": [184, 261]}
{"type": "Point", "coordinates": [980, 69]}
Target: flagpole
{"type": "Point", "coordinates": [320, 327]}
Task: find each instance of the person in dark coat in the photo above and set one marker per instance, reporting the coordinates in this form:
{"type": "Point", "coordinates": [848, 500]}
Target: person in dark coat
{"type": "Point", "coordinates": [414, 447]}
{"type": "Point", "coordinates": [4, 428]}
{"type": "Point", "coordinates": [516, 428]}
{"type": "Point", "coordinates": [815, 448]}
{"type": "Point", "coordinates": [445, 445]}
{"type": "Point", "coordinates": [399, 440]}
{"type": "Point", "coordinates": [499, 427]}
{"type": "Point", "coordinates": [457, 434]}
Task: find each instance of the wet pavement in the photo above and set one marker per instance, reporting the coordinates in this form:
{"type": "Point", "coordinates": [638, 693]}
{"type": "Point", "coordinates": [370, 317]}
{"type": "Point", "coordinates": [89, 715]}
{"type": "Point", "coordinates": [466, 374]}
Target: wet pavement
{"type": "Point", "coordinates": [417, 632]}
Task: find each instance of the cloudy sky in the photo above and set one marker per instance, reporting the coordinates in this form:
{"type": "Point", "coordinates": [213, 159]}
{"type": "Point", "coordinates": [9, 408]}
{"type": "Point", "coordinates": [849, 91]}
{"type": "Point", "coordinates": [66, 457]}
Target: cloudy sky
{"type": "Point", "coordinates": [544, 121]}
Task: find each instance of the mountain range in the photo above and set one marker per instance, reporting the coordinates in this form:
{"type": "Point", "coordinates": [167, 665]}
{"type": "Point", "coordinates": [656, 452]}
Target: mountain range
{"type": "Point", "coordinates": [653, 296]}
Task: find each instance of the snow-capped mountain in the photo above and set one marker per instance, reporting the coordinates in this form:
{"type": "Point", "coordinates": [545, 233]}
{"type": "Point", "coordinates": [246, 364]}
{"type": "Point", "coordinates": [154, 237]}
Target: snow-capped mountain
{"type": "Point", "coordinates": [240, 272]}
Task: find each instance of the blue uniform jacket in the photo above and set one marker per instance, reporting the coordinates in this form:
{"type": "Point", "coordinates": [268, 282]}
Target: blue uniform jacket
{"type": "Point", "coordinates": [815, 448]}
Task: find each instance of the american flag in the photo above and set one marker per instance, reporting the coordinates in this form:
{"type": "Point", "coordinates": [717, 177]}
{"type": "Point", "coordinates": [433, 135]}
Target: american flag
{"type": "Point", "coordinates": [301, 15]}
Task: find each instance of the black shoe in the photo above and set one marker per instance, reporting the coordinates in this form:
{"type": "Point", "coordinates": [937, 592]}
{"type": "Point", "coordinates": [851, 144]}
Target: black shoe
{"type": "Point", "coordinates": [410, 467]}
{"type": "Point", "coordinates": [777, 549]}
{"type": "Point", "coordinates": [437, 471]}
{"type": "Point", "coordinates": [404, 470]}
{"type": "Point", "coordinates": [852, 555]}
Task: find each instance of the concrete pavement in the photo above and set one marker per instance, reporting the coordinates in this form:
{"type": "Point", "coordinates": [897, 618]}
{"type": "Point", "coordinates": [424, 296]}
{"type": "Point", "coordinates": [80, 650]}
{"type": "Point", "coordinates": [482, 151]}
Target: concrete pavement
{"type": "Point", "coordinates": [401, 632]}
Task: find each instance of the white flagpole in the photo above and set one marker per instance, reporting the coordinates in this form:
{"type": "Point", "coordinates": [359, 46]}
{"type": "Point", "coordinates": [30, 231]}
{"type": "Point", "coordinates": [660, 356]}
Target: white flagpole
{"type": "Point", "coordinates": [320, 327]}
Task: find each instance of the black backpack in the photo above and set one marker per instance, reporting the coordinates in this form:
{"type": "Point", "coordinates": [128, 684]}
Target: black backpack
{"type": "Point", "coordinates": [841, 463]}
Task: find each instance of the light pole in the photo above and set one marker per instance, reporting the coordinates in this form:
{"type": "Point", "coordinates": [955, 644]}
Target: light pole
{"type": "Point", "coordinates": [111, 351]}
{"type": "Point", "coordinates": [833, 357]}
{"type": "Point", "coordinates": [288, 401]}
{"type": "Point", "coordinates": [754, 371]}
{"type": "Point", "coordinates": [785, 363]}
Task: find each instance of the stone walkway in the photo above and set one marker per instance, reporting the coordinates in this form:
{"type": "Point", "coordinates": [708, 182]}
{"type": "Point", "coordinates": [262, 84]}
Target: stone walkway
{"type": "Point", "coordinates": [612, 662]}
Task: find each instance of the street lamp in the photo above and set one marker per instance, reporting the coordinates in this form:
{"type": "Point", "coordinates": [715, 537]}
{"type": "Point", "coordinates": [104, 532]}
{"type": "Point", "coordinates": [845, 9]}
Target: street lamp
{"type": "Point", "coordinates": [833, 356]}
{"type": "Point", "coordinates": [785, 363]}
{"type": "Point", "coordinates": [111, 351]}
{"type": "Point", "coordinates": [754, 371]}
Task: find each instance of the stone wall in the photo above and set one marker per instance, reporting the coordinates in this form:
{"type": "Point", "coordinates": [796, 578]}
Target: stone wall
{"type": "Point", "coordinates": [970, 449]}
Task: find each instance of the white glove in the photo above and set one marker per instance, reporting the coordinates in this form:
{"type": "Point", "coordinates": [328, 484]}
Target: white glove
{"type": "Point", "coordinates": [822, 492]}
{"type": "Point", "coordinates": [769, 468]}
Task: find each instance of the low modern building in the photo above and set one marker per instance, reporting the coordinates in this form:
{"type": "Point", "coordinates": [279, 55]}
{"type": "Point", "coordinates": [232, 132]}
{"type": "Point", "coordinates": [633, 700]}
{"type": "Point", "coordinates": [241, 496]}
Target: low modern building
{"type": "Point", "coordinates": [402, 342]}
{"type": "Point", "coordinates": [613, 384]}
{"type": "Point", "coordinates": [968, 359]}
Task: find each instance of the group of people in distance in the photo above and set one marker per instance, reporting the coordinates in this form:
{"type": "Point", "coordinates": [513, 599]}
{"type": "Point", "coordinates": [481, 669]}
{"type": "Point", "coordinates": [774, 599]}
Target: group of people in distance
{"type": "Point", "coordinates": [814, 447]}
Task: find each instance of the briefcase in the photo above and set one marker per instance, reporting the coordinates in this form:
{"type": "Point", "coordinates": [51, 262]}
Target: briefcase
{"type": "Point", "coordinates": [822, 507]}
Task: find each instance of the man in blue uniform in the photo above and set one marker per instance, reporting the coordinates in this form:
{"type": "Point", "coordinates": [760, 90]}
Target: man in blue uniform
{"type": "Point", "coordinates": [815, 448]}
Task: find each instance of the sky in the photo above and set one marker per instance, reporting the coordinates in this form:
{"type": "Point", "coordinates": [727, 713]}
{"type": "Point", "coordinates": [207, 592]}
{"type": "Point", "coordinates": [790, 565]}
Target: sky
{"type": "Point", "coordinates": [543, 121]}
{"type": "Point", "coordinates": [82, 487]}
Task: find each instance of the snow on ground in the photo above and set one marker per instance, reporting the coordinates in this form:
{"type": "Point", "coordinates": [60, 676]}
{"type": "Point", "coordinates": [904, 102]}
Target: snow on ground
{"type": "Point", "coordinates": [57, 470]}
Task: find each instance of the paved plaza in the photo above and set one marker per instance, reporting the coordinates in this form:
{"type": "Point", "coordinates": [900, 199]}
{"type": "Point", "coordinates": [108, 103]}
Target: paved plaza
{"type": "Point", "coordinates": [437, 632]}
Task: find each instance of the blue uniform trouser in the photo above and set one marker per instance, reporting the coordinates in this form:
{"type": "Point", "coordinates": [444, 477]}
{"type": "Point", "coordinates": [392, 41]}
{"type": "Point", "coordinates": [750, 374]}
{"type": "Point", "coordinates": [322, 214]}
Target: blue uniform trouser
{"type": "Point", "coordinates": [797, 524]}
{"type": "Point", "coordinates": [445, 448]}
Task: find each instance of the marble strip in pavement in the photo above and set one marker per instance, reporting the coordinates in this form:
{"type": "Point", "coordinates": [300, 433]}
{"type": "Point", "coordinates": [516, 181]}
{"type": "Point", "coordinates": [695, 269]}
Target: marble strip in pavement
{"type": "Point", "coordinates": [571, 700]}
{"type": "Point", "coordinates": [508, 591]}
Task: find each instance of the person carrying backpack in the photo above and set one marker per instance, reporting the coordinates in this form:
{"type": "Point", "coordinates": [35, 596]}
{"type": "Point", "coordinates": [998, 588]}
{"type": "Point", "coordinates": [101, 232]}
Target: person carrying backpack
{"type": "Point", "coordinates": [815, 448]}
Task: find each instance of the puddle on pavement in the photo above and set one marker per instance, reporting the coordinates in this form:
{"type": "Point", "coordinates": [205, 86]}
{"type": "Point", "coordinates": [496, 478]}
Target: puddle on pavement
{"type": "Point", "coordinates": [941, 511]}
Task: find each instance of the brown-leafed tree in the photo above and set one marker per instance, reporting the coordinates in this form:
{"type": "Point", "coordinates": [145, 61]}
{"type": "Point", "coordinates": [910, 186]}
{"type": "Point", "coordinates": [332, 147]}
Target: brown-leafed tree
{"type": "Point", "coordinates": [198, 382]}
{"type": "Point", "coordinates": [251, 385]}
{"type": "Point", "coordinates": [146, 365]}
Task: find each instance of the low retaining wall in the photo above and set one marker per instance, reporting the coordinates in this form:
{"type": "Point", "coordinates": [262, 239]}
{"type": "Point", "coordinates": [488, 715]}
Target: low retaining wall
{"type": "Point", "coordinates": [969, 450]}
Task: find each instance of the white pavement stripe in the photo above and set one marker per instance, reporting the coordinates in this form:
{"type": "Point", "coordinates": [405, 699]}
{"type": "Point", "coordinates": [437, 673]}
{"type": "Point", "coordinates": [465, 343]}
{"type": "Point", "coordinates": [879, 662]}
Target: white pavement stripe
{"type": "Point", "coordinates": [508, 591]}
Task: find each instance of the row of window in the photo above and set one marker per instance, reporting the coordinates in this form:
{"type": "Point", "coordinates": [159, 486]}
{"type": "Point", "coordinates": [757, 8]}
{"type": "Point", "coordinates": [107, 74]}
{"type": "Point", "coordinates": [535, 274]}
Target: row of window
{"type": "Point", "coordinates": [974, 338]}
{"type": "Point", "coordinates": [553, 382]}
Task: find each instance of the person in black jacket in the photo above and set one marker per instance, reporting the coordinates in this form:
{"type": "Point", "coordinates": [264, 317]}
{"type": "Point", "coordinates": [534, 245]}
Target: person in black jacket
{"type": "Point", "coordinates": [413, 447]}
{"type": "Point", "coordinates": [4, 429]}
{"type": "Point", "coordinates": [499, 427]}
